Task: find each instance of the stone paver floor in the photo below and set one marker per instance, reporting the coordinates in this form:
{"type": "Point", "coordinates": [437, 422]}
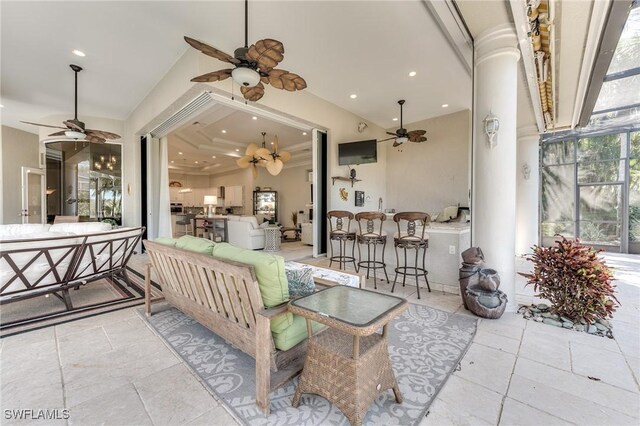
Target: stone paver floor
{"type": "Point", "coordinates": [111, 369]}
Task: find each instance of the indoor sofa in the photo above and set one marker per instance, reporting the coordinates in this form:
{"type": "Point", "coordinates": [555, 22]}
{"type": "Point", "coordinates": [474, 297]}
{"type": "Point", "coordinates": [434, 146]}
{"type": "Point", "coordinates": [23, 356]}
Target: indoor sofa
{"type": "Point", "coordinates": [245, 232]}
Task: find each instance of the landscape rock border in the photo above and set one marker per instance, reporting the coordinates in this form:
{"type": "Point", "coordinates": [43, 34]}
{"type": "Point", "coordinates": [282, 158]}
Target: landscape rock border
{"type": "Point", "coordinates": [541, 312]}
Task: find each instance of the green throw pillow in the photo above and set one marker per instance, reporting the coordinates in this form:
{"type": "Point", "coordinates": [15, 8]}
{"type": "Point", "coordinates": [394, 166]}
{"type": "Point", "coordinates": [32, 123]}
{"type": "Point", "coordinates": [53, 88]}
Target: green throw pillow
{"type": "Point", "coordinates": [195, 244]}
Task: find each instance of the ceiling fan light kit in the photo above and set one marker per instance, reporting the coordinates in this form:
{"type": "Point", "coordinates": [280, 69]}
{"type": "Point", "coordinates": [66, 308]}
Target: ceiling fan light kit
{"type": "Point", "coordinates": [254, 65]}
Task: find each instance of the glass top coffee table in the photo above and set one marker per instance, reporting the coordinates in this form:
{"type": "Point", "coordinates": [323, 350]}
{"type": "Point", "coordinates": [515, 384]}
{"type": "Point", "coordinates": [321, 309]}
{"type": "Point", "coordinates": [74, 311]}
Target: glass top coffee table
{"type": "Point", "coordinates": [348, 364]}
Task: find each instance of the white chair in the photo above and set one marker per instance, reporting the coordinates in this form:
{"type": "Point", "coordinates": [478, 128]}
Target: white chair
{"type": "Point", "coordinates": [244, 232]}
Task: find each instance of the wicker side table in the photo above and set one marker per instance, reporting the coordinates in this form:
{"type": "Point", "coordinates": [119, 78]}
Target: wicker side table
{"type": "Point", "coordinates": [348, 364]}
{"type": "Point", "coordinates": [272, 238]}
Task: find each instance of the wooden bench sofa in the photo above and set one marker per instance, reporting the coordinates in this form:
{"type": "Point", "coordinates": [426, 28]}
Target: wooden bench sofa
{"type": "Point", "coordinates": [33, 266]}
{"type": "Point", "coordinates": [224, 296]}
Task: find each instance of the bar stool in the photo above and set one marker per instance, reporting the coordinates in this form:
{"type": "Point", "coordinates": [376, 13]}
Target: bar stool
{"type": "Point", "coordinates": [187, 221]}
{"type": "Point", "coordinates": [411, 238]}
{"type": "Point", "coordinates": [338, 233]}
{"type": "Point", "coordinates": [372, 238]}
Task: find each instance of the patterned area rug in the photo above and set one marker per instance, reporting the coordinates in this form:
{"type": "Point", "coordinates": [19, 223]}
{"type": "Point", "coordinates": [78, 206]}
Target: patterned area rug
{"type": "Point", "coordinates": [425, 346]}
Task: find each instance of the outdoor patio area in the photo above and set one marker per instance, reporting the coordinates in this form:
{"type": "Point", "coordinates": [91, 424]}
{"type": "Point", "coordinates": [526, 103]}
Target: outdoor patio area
{"type": "Point", "coordinates": [113, 369]}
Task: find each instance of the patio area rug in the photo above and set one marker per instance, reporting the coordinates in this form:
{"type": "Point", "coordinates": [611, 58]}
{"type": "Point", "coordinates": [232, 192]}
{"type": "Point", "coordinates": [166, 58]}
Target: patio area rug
{"type": "Point", "coordinates": [425, 346]}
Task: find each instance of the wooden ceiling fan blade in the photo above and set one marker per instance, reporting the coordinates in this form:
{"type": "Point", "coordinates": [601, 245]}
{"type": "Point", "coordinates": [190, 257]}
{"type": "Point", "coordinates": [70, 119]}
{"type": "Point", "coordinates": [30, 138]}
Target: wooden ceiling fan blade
{"type": "Point", "coordinates": [275, 167]}
{"type": "Point", "coordinates": [285, 156]}
{"type": "Point", "coordinates": [392, 134]}
{"type": "Point", "coordinates": [244, 162]}
{"type": "Point", "coordinates": [283, 79]}
{"type": "Point", "coordinates": [254, 93]}
{"type": "Point", "coordinates": [264, 153]}
{"type": "Point", "coordinates": [267, 53]}
{"type": "Point", "coordinates": [416, 133]}
{"type": "Point", "coordinates": [387, 139]}
{"type": "Point", "coordinates": [251, 149]}
{"type": "Point", "coordinates": [102, 134]}
{"type": "Point", "coordinates": [74, 126]}
{"type": "Point", "coordinates": [43, 125]}
{"type": "Point", "coordinates": [211, 51]}
{"type": "Point", "coordinates": [261, 162]}
{"type": "Point", "coordinates": [213, 76]}
{"type": "Point", "coordinates": [418, 139]}
{"type": "Point", "coordinates": [95, 139]}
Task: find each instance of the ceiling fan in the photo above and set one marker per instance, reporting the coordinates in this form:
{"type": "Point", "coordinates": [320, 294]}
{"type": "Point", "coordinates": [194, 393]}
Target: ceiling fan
{"type": "Point", "coordinates": [254, 65]}
{"type": "Point", "coordinates": [74, 128]}
{"type": "Point", "coordinates": [402, 135]}
{"type": "Point", "coordinates": [274, 159]}
{"type": "Point", "coordinates": [251, 158]}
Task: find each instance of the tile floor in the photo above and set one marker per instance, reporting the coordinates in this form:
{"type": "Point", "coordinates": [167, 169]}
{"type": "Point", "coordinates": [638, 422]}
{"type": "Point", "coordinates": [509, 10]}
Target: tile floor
{"type": "Point", "coordinates": [111, 369]}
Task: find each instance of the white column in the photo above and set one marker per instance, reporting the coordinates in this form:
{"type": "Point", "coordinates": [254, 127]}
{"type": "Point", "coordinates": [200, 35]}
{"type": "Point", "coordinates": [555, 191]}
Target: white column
{"type": "Point", "coordinates": [527, 191]}
{"type": "Point", "coordinates": [494, 169]}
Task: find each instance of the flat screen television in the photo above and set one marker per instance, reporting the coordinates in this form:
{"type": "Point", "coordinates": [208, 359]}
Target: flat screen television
{"type": "Point", "coordinates": [360, 152]}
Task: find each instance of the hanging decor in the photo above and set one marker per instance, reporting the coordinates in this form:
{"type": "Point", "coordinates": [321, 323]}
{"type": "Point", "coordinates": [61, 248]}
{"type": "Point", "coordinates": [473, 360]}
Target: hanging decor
{"type": "Point", "coordinates": [274, 159]}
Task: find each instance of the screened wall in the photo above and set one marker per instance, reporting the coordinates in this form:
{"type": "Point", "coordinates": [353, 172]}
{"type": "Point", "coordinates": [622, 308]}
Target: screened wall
{"type": "Point", "coordinates": [590, 189]}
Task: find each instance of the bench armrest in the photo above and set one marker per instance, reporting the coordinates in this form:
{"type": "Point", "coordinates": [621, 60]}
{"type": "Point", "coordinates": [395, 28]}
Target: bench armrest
{"type": "Point", "coordinates": [275, 311]}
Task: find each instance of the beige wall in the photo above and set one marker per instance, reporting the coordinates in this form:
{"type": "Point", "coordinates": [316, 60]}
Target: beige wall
{"type": "Point", "coordinates": [19, 149]}
{"type": "Point", "coordinates": [431, 175]}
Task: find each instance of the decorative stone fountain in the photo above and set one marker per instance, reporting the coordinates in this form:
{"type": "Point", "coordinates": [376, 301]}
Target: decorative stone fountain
{"type": "Point", "coordinates": [479, 286]}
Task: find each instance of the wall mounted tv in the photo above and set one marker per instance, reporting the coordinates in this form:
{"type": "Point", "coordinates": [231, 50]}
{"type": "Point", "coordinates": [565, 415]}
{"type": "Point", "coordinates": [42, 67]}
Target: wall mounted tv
{"type": "Point", "coordinates": [360, 152]}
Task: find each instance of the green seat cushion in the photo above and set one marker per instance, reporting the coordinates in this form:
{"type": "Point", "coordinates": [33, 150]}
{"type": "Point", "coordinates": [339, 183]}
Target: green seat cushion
{"type": "Point", "coordinates": [166, 241]}
{"type": "Point", "coordinates": [293, 334]}
{"type": "Point", "coordinates": [195, 244]}
{"type": "Point", "coordinates": [270, 274]}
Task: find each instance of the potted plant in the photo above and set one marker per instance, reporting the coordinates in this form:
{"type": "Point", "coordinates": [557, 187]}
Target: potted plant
{"type": "Point", "coordinates": [294, 219]}
{"type": "Point", "coordinates": [574, 279]}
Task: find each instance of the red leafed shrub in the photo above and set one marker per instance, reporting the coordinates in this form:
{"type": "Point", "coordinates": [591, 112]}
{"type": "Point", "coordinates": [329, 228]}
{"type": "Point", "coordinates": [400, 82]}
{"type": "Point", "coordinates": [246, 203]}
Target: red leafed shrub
{"type": "Point", "coordinates": [574, 279]}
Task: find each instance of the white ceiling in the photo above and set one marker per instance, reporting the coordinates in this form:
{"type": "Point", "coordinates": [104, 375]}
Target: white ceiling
{"type": "Point", "coordinates": [340, 48]}
{"type": "Point", "coordinates": [202, 138]}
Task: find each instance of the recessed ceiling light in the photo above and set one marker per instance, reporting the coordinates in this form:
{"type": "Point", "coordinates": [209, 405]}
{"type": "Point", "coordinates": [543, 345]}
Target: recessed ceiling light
{"type": "Point", "coordinates": [237, 150]}
{"type": "Point", "coordinates": [78, 53]}
{"type": "Point", "coordinates": [304, 133]}
{"type": "Point", "coordinates": [412, 74]}
{"type": "Point", "coordinates": [353, 96]}
{"type": "Point", "coordinates": [179, 153]}
{"type": "Point", "coordinates": [271, 143]}
{"type": "Point", "coordinates": [196, 161]}
{"type": "Point", "coordinates": [254, 117]}
{"type": "Point", "coordinates": [172, 161]}
{"type": "Point", "coordinates": [1, 106]}
{"type": "Point", "coordinates": [395, 118]}
{"type": "Point", "coordinates": [213, 156]}
{"type": "Point", "coordinates": [224, 131]}
{"type": "Point", "coordinates": [445, 105]}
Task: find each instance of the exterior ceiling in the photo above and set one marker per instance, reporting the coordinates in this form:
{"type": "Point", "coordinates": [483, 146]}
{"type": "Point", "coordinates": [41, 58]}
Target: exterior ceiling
{"type": "Point", "coordinates": [340, 48]}
{"type": "Point", "coordinates": [202, 138]}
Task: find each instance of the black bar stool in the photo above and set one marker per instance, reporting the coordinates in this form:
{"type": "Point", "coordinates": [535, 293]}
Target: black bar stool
{"type": "Point", "coordinates": [413, 237]}
{"type": "Point", "coordinates": [185, 220]}
{"type": "Point", "coordinates": [372, 237]}
{"type": "Point", "coordinates": [338, 232]}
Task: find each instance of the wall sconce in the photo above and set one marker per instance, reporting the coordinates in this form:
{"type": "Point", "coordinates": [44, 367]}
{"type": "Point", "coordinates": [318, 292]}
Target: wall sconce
{"type": "Point", "coordinates": [491, 127]}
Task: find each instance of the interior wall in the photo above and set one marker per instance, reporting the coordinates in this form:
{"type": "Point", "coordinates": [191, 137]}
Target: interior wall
{"type": "Point", "coordinates": [19, 148]}
{"type": "Point", "coordinates": [432, 174]}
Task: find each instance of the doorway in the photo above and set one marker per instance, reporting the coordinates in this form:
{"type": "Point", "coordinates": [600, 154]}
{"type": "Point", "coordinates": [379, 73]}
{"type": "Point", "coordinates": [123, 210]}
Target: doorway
{"type": "Point", "coordinates": [33, 195]}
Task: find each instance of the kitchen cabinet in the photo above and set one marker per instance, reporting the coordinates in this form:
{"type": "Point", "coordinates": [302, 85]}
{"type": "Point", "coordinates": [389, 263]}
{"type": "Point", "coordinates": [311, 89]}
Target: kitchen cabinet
{"type": "Point", "coordinates": [233, 196]}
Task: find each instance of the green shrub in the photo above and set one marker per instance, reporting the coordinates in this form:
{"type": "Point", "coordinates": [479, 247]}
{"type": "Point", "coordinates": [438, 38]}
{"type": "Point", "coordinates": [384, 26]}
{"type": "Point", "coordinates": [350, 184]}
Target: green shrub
{"type": "Point", "coordinates": [574, 279]}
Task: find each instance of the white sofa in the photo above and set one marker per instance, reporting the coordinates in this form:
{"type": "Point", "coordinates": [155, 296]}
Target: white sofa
{"type": "Point", "coordinates": [38, 259]}
{"type": "Point", "coordinates": [245, 232]}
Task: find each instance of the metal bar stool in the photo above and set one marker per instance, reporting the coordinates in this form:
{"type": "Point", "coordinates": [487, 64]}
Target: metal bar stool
{"type": "Point", "coordinates": [372, 238]}
{"type": "Point", "coordinates": [187, 221]}
{"type": "Point", "coordinates": [337, 232]}
{"type": "Point", "coordinates": [412, 238]}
